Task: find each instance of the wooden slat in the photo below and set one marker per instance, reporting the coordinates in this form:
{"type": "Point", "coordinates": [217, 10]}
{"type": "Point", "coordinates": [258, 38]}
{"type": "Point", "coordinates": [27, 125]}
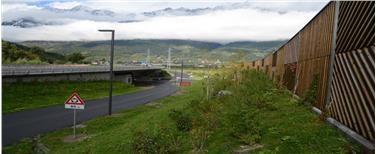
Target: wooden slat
{"type": "Point", "coordinates": [357, 92]}
{"type": "Point", "coordinates": [336, 95]}
{"type": "Point", "coordinates": [363, 77]}
{"type": "Point", "coordinates": [349, 81]}
{"type": "Point", "coordinates": [342, 81]}
{"type": "Point", "coordinates": [366, 27]}
{"type": "Point", "coordinates": [355, 25]}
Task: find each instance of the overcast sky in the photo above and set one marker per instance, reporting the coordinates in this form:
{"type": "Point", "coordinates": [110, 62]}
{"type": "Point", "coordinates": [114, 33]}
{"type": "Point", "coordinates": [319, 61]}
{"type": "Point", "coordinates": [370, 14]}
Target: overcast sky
{"type": "Point", "coordinates": [235, 21]}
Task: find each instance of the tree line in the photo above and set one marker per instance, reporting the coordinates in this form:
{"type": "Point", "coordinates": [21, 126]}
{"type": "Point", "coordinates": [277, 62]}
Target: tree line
{"type": "Point", "coordinates": [13, 53]}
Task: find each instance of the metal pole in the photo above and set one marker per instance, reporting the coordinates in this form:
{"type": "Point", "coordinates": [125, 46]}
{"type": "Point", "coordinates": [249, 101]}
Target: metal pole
{"type": "Point", "coordinates": [74, 123]}
{"type": "Point", "coordinates": [176, 78]}
{"type": "Point", "coordinates": [111, 72]}
{"type": "Point", "coordinates": [332, 56]}
{"type": "Point", "coordinates": [111, 67]}
{"type": "Point", "coordinates": [169, 59]}
{"type": "Point", "coordinates": [181, 73]}
{"type": "Point", "coordinates": [208, 83]}
{"type": "Point", "coordinates": [148, 58]}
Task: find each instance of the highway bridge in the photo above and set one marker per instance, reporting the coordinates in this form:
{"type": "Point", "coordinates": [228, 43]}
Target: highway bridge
{"type": "Point", "coordinates": [11, 70]}
{"type": "Point", "coordinates": [27, 73]}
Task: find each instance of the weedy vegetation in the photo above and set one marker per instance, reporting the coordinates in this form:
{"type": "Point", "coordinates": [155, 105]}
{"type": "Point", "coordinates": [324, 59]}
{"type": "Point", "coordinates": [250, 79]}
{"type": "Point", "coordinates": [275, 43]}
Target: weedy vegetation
{"type": "Point", "coordinates": [257, 113]}
{"type": "Point", "coordinates": [31, 95]}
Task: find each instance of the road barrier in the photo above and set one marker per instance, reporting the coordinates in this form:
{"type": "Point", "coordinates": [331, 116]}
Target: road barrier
{"type": "Point", "coordinates": [335, 51]}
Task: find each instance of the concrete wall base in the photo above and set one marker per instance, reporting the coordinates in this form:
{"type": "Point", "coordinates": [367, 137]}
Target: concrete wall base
{"type": "Point", "coordinates": [127, 78]}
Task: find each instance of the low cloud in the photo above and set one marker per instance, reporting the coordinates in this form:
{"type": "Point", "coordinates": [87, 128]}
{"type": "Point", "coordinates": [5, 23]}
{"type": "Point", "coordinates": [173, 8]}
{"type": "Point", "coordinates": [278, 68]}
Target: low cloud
{"type": "Point", "coordinates": [220, 26]}
{"type": "Point", "coordinates": [64, 5]}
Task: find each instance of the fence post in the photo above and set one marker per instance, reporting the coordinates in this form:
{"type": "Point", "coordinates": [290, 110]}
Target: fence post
{"type": "Point", "coordinates": [332, 56]}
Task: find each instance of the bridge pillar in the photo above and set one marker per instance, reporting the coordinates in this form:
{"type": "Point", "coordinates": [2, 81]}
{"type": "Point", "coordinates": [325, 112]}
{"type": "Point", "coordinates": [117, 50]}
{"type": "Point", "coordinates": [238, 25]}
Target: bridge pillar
{"type": "Point", "coordinates": [127, 78]}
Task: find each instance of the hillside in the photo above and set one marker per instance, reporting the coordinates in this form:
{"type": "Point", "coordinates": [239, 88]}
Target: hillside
{"type": "Point", "coordinates": [20, 54]}
{"type": "Point", "coordinates": [136, 50]}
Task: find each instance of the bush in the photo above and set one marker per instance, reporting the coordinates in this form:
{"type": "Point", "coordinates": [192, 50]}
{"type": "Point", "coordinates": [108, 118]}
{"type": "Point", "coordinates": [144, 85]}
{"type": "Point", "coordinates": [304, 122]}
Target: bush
{"type": "Point", "coordinates": [75, 58]}
{"type": "Point", "coordinates": [183, 122]}
{"type": "Point", "coordinates": [199, 137]}
{"type": "Point", "coordinates": [145, 143]}
{"type": "Point", "coordinates": [311, 94]}
{"type": "Point", "coordinates": [164, 140]}
{"type": "Point", "coordinates": [250, 139]}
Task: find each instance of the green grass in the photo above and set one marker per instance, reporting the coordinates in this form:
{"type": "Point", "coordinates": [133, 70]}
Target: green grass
{"type": "Point", "coordinates": [24, 96]}
{"type": "Point", "coordinates": [256, 112]}
{"type": "Point", "coordinates": [112, 134]}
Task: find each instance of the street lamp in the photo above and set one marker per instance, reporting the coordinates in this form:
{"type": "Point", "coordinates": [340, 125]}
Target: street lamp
{"type": "Point", "coordinates": [111, 67]}
{"type": "Point", "coordinates": [181, 73]}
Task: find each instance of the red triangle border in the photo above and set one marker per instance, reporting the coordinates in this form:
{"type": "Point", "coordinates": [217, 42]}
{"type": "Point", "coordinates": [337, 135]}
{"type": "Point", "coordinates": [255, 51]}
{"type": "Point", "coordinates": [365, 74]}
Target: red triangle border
{"type": "Point", "coordinates": [78, 96]}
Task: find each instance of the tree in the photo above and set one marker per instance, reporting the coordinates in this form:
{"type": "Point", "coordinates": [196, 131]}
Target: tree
{"type": "Point", "coordinates": [76, 58]}
{"type": "Point", "coordinates": [37, 50]}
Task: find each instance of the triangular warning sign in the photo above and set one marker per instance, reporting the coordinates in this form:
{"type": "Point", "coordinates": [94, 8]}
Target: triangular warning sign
{"type": "Point", "coordinates": [75, 99]}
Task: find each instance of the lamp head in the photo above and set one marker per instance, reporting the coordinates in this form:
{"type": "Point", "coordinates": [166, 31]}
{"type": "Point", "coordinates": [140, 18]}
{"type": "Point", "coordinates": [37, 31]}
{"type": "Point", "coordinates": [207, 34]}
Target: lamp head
{"type": "Point", "coordinates": [106, 30]}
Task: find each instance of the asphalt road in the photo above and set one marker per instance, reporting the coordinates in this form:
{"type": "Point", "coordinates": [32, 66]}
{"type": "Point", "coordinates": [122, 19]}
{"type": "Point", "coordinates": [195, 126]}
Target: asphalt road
{"type": "Point", "coordinates": [33, 122]}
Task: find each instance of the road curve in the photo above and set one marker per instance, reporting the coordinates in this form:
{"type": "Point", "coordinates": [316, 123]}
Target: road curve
{"type": "Point", "coordinates": [33, 122]}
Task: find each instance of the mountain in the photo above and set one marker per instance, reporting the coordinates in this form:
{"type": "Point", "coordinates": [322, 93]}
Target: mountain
{"type": "Point", "coordinates": [254, 45]}
{"type": "Point", "coordinates": [82, 9]}
{"type": "Point", "coordinates": [181, 11]}
{"type": "Point", "coordinates": [26, 22]}
{"type": "Point", "coordinates": [54, 16]}
{"type": "Point", "coordinates": [135, 50]}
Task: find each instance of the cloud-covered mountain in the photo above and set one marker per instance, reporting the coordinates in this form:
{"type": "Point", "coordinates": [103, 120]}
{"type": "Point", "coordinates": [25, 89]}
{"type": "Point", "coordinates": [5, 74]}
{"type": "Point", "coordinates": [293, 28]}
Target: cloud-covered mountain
{"type": "Point", "coordinates": [177, 12]}
{"type": "Point", "coordinates": [82, 9]}
{"type": "Point", "coordinates": [85, 12]}
{"type": "Point", "coordinates": [182, 11]}
{"type": "Point", "coordinates": [40, 16]}
{"type": "Point", "coordinates": [26, 22]}
{"type": "Point", "coordinates": [225, 22]}
{"type": "Point", "coordinates": [81, 12]}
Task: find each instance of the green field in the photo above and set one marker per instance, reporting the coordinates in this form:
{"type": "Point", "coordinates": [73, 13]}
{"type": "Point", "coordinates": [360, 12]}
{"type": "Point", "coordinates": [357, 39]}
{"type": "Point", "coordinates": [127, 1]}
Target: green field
{"type": "Point", "coordinates": [24, 96]}
{"type": "Point", "coordinates": [256, 113]}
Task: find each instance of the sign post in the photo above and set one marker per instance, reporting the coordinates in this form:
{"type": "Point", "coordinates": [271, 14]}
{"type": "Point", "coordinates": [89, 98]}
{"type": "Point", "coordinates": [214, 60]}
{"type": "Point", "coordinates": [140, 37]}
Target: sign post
{"type": "Point", "coordinates": [74, 123]}
{"type": "Point", "coordinates": [74, 102]}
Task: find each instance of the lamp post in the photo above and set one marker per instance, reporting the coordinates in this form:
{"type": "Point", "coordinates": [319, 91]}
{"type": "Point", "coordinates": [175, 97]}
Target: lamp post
{"type": "Point", "coordinates": [111, 67]}
{"type": "Point", "coordinates": [181, 73]}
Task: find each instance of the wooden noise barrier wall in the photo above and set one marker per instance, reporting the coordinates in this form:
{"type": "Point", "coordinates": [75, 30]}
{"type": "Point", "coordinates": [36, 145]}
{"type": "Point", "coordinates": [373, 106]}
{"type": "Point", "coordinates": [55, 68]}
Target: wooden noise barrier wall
{"type": "Point", "coordinates": [336, 49]}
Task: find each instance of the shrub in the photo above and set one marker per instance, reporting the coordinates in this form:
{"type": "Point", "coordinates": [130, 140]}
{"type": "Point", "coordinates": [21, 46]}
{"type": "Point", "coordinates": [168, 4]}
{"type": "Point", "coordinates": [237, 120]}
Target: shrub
{"type": "Point", "coordinates": [250, 139]}
{"type": "Point", "coordinates": [75, 58]}
{"type": "Point", "coordinates": [183, 122]}
{"type": "Point", "coordinates": [163, 140]}
{"type": "Point", "coordinates": [171, 139]}
{"type": "Point", "coordinates": [145, 143]}
{"type": "Point", "coordinates": [311, 93]}
{"type": "Point", "coordinates": [199, 138]}
{"type": "Point", "coordinates": [240, 122]}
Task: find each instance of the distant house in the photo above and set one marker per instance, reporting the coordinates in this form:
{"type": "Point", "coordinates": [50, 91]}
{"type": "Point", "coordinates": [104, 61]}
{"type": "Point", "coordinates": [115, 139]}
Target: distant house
{"type": "Point", "coordinates": [218, 62]}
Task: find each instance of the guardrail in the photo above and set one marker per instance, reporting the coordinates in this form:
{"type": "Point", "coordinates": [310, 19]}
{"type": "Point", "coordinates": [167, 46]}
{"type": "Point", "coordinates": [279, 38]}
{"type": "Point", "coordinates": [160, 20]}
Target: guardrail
{"type": "Point", "coordinates": [57, 69]}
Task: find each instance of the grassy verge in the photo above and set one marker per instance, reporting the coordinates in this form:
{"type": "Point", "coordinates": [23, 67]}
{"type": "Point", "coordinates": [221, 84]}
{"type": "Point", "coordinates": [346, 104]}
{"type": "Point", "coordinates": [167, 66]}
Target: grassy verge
{"type": "Point", "coordinates": [24, 96]}
{"type": "Point", "coordinates": [256, 113]}
{"type": "Point", "coordinates": [113, 134]}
